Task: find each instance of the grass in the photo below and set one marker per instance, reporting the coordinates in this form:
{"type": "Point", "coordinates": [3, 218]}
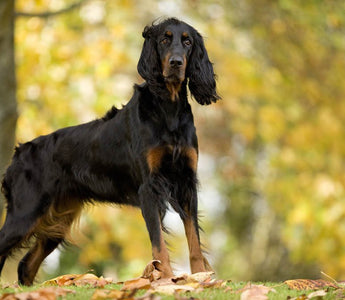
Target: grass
{"type": "Point", "coordinates": [231, 291]}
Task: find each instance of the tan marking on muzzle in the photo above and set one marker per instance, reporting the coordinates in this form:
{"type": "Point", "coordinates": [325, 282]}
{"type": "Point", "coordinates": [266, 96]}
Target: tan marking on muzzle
{"type": "Point", "coordinates": [174, 87]}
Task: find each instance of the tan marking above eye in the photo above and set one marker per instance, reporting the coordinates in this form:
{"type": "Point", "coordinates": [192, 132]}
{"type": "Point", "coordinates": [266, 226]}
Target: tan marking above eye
{"type": "Point", "coordinates": [168, 33]}
{"type": "Point", "coordinates": [185, 35]}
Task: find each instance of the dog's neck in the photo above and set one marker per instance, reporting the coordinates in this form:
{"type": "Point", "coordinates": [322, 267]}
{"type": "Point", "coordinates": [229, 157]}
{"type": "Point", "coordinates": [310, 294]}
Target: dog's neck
{"type": "Point", "coordinates": [168, 92]}
{"type": "Point", "coordinates": [160, 106]}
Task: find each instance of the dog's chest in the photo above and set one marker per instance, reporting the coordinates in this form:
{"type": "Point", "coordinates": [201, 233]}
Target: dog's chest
{"type": "Point", "coordinates": [176, 128]}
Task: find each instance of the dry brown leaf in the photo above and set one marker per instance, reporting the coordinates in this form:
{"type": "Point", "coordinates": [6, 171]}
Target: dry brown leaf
{"type": "Point", "coordinates": [213, 284]}
{"type": "Point", "coordinates": [91, 279]}
{"type": "Point", "coordinates": [151, 280]}
{"type": "Point", "coordinates": [79, 280]}
{"type": "Point", "coordinates": [152, 270]}
{"type": "Point", "coordinates": [61, 280]}
{"type": "Point", "coordinates": [180, 279]}
{"type": "Point", "coordinates": [149, 296]}
{"type": "Point", "coordinates": [309, 284]}
{"type": "Point", "coordinates": [200, 277]}
{"type": "Point", "coordinates": [320, 293]}
{"type": "Point", "coordinates": [171, 289]}
{"type": "Point", "coordinates": [14, 285]}
{"type": "Point", "coordinates": [49, 293]}
{"type": "Point", "coordinates": [198, 280]}
{"type": "Point", "coordinates": [162, 281]}
{"type": "Point", "coordinates": [137, 284]}
{"type": "Point", "coordinates": [255, 292]}
{"type": "Point", "coordinates": [101, 294]}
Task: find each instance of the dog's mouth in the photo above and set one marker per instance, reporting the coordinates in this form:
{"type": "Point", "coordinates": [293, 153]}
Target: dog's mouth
{"type": "Point", "coordinates": [174, 76]}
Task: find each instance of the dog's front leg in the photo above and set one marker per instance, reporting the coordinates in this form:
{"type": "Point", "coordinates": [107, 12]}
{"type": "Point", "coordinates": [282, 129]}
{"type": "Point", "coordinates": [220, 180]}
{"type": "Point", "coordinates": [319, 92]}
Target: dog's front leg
{"type": "Point", "coordinates": [150, 211]}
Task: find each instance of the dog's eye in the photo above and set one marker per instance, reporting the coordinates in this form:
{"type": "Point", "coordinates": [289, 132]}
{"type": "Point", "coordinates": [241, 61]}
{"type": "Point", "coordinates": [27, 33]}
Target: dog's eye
{"type": "Point", "coordinates": [164, 41]}
{"type": "Point", "coordinates": [187, 42]}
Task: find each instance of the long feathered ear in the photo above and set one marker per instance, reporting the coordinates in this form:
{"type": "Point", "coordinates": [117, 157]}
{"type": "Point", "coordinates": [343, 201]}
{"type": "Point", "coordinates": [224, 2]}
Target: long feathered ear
{"type": "Point", "coordinates": [202, 83]}
{"type": "Point", "coordinates": [148, 65]}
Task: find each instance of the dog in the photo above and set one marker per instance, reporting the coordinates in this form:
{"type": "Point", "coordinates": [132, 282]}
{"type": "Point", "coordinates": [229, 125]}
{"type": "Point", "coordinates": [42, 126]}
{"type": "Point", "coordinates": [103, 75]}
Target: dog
{"type": "Point", "coordinates": [144, 155]}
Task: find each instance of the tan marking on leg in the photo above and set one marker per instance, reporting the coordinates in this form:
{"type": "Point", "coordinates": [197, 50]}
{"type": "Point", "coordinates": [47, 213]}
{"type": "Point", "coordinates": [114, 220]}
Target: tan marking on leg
{"type": "Point", "coordinates": [162, 254]}
{"type": "Point", "coordinates": [154, 157]}
{"type": "Point", "coordinates": [198, 262]}
{"type": "Point", "coordinates": [192, 155]}
{"type": "Point", "coordinates": [33, 259]}
{"type": "Point", "coordinates": [57, 221]}
{"type": "Point", "coordinates": [55, 224]}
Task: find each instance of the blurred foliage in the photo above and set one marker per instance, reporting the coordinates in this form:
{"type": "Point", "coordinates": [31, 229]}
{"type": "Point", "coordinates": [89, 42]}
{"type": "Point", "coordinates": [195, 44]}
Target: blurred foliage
{"type": "Point", "coordinates": [272, 167]}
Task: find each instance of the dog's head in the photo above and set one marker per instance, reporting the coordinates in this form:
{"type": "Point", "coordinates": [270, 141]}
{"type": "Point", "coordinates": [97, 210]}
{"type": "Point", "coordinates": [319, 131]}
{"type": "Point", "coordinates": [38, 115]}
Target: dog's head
{"type": "Point", "coordinates": [174, 51]}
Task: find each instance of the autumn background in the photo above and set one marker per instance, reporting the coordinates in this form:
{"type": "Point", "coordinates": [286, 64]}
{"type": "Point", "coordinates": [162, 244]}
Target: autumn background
{"type": "Point", "coordinates": [272, 167]}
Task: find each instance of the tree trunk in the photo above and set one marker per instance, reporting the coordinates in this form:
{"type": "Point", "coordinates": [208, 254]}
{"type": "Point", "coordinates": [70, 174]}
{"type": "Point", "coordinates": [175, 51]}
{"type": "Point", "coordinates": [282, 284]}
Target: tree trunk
{"type": "Point", "coordinates": [8, 103]}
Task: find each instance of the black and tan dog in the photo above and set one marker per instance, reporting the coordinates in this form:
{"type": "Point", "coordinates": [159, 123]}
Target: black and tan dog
{"type": "Point", "coordinates": [143, 155]}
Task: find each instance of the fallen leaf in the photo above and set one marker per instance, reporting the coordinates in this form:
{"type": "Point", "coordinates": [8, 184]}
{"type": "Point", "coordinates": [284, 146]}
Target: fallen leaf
{"type": "Point", "coordinates": [255, 292]}
{"type": "Point", "coordinates": [201, 276]}
{"type": "Point", "coordinates": [137, 284]}
{"type": "Point", "coordinates": [151, 280]}
{"type": "Point", "coordinates": [309, 284]}
{"type": "Point", "coordinates": [79, 280]}
{"type": "Point", "coordinates": [317, 294]}
{"type": "Point", "coordinates": [173, 288]}
{"type": "Point", "coordinates": [213, 284]}
{"type": "Point", "coordinates": [152, 270]}
{"type": "Point", "coordinates": [91, 279]}
{"type": "Point", "coordinates": [11, 285]}
{"type": "Point", "coordinates": [149, 296]}
{"type": "Point", "coordinates": [101, 294]}
{"type": "Point", "coordinates": [198, 279]}
{"type": "Point", "coordinates": [162, 281]}
{"type": "Point", "coordinates": [49, 293]}
{"type": "Point", "coordinates": [61, 280]}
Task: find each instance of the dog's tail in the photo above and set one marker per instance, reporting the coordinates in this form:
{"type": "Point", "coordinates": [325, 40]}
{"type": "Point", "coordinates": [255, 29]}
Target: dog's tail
{"type": "Point", "coordinates": [5, 189]}
{"type": "Point", "coordinates": [6, 192]}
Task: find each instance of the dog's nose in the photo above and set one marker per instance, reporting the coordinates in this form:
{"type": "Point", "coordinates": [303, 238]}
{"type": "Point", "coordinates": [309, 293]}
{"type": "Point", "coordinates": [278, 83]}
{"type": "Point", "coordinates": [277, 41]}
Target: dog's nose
{"type": "Point", "coordinates": [176, 61]}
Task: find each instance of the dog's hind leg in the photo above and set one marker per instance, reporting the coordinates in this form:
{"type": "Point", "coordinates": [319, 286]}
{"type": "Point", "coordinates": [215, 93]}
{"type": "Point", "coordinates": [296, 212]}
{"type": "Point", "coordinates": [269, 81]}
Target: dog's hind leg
{"type": "Point", "coordinates": [31, 262]}
{"type": "Point", "coordinates": [16, 230]}
{"type": "Point", "coordinates": [51, 229]}
{"type": "Point", "coordinates": [26, 203]}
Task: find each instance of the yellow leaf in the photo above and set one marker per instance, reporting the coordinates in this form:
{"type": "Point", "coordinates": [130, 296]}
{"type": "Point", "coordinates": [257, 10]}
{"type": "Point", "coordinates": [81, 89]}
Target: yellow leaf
{"type": "Point", "coordinates": [309, 284]}
{"type": "Point", "coordinates": [79, 280]}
